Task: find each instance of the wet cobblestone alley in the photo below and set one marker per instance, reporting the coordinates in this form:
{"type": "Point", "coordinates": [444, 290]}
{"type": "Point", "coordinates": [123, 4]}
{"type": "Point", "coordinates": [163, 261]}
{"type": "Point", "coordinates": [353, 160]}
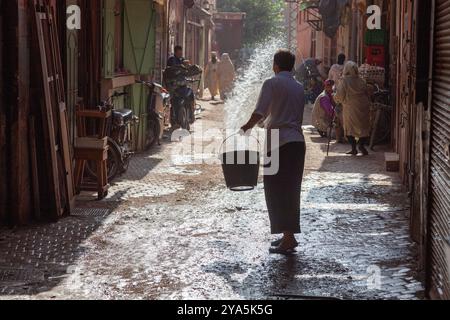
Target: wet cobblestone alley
{"type": "Point", "coordinates": [171, 231]}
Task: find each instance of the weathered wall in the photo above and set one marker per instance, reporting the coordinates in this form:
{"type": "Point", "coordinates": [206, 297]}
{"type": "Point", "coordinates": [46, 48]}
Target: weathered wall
{"type": "Point", "coordinates": [229, 33]}
{"type": "Point", "coordinates": [16, 104]}
{"type": "Point", "coordinates": [304, 39]}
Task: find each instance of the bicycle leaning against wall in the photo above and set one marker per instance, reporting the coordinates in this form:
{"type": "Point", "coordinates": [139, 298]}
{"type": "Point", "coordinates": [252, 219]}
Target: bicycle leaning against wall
{"type": "Point", "coordinates": [119, 139]}
{"type": "Point", "coordinates": [381, 111]}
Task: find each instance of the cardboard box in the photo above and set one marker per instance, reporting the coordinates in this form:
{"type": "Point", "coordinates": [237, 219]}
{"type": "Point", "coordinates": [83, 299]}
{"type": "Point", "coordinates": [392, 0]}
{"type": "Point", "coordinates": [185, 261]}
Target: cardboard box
{"type": "Point", "coordinates": [392, 162]}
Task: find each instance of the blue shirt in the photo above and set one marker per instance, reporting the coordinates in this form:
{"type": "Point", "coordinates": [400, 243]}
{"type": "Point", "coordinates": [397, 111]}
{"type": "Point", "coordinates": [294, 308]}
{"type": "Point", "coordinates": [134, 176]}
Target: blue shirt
{"type": "Point", "coordinates": [174, 61]}
{"type": "Point", "coordinates": [282, 104]}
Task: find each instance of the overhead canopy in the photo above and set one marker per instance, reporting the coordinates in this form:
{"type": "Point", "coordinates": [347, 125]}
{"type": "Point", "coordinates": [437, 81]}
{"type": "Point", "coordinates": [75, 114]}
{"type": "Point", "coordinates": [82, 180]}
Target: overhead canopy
{"type": "Point", "coordinates": [332, 11]}
{"type": "Point", "coordinates": [203, 14]}
{"type": "Point", "coordinates": [307, 4]}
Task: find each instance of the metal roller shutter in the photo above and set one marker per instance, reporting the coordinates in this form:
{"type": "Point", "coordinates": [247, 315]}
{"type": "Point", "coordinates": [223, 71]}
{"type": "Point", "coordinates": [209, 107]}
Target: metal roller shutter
{"type": "Point", "coordinates": [440, 158]}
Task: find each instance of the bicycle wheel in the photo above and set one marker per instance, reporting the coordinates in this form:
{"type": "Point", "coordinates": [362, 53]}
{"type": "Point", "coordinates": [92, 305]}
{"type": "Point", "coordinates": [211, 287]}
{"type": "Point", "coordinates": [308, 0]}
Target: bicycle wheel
{"type": "Point", "coordinates": [114, 163]}
{"type": "Point", "coordinates": [153, 132]}
{"type": "Point", "coordinates": [382, 130]}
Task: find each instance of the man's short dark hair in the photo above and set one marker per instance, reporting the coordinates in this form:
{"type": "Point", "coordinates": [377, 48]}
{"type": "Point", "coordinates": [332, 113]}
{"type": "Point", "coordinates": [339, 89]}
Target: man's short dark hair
{"type": "Point", "coordinates": [178, 48]}
{"type": "Point", "coordinates": [285, 60]}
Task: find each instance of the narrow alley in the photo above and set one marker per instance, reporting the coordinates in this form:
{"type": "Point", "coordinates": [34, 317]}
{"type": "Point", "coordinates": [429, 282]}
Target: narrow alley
{"type": "Point", "coordinates": [115, 119]}
{"type": "Point", "coordinates": [173, 231]}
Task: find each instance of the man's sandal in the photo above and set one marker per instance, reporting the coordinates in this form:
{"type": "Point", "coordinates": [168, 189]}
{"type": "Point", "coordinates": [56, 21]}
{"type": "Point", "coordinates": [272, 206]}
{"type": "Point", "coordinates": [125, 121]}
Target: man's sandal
{"type": "Point", "coordinates": [288, 252]}
{"type": "Point", "coordinates": [277, 243]}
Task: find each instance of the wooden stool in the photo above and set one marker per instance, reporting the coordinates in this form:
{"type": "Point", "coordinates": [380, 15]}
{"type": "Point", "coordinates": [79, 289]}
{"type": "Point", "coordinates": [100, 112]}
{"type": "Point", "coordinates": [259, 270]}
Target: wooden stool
{"type": "Point", "coordinates": [94, 149]}
{"type": "Point", "coordinates": [100, 157]}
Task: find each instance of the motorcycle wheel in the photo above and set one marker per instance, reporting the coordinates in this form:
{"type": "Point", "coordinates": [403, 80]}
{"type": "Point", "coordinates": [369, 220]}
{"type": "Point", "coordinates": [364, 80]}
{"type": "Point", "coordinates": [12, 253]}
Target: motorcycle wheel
{"type": "Point", "coordinates": [153, 132]}
{"type": "Point", "coordinates": [114, 164]}
{"type": "Point", "coordinates": [183, 119]}
{"type": "Point", "coordinates": [192, 113]}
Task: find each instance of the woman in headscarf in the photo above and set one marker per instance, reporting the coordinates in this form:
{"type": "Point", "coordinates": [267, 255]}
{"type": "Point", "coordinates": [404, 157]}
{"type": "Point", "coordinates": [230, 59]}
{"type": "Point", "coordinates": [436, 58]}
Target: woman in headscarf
{"type": "Point", "coordinates": [227, 75]}
{"type": "Point", "coordinates": [212, 76]}
{"type": "Point", "coordinates": [335, 74]}
{"type": "Point", "coordinates": [352, 93]}
{"type": "Point", "coordinates": [324, 109]}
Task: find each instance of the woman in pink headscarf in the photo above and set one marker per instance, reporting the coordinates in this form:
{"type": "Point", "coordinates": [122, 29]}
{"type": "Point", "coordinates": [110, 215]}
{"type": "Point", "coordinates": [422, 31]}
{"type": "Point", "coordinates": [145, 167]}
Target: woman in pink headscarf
{"type": "Point", "coordinates": [324, 109]}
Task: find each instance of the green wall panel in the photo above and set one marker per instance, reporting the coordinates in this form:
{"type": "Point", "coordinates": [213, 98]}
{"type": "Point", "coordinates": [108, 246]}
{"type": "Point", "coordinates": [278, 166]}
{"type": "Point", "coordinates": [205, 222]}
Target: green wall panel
{"type": "Point", "coordinates": [138, 97]}
{"type": "Point", "coordinates": [108, 39]}
{"type": "Point", "coordinates": [139, 36]}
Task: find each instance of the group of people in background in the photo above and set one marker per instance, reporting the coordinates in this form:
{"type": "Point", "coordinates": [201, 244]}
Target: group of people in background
{"type": "Point", "coordinates": [345, 105]}
{"type": "Point", "coordinates": [220, 76]}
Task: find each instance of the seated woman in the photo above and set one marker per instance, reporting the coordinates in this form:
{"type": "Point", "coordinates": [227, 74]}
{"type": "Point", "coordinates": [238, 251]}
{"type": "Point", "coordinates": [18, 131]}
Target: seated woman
{"type": "Point", "coordinates": [324, 109]}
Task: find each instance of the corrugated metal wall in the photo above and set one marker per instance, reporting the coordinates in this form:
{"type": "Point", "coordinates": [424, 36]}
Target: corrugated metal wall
{"type": "Point", "coordinates": [440, 157]}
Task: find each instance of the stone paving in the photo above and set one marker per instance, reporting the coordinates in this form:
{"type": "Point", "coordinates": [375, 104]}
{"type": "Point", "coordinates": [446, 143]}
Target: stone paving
{"type": "Point", "coordinates": [171, 231]}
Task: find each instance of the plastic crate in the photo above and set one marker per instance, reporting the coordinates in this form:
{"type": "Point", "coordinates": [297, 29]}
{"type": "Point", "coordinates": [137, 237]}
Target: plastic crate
{"type": "Point", "coordinates": [375, 38]}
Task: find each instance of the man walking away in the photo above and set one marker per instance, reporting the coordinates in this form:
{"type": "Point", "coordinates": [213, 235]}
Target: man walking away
{"type": "Point", "coordinates": [281, 104]}
{"type": "Point", "coordinates": [337, 70]}
{"type": "Point", "coordinates": [212, 76]}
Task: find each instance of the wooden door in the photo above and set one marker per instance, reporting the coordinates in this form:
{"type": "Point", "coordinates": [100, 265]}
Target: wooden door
{"type": "Point", "coordinates": [139, 57]}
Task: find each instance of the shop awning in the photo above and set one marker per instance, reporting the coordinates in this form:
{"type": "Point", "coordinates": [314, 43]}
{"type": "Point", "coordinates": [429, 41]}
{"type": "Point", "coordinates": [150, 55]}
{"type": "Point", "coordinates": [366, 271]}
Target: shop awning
{"type": "Point", "coordinates": [311, 7]}
{"type": "Point", "coordinates": [308, 4]}
{"type": "Point", "coordinates": [203, 14]}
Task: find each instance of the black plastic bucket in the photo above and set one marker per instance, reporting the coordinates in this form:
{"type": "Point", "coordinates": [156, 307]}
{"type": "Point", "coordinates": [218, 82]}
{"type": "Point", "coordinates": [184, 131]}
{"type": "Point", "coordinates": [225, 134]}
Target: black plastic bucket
{"type": "Point", "coordinates": [241, 169]}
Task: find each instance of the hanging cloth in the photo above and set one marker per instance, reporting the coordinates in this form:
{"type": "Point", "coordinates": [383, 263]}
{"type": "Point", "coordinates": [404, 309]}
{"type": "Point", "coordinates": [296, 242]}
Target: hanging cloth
{"type": "Point", "coordinates": [332, 11]}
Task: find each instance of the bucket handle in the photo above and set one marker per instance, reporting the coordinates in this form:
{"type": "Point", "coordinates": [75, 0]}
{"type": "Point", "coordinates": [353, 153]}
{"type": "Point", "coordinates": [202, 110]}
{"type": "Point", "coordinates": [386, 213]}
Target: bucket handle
{"type": "Point", "coordinates": [235, 134]}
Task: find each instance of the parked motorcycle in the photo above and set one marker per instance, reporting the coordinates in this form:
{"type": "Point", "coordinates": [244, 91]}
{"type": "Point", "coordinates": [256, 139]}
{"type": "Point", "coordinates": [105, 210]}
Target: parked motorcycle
{"type": "Point", "coordinates": [177, 79]}
{"type": "Point", "coordinates": [119, 139]}
{"type": "Point", "coordinates": [312, 83]}
{"type": "Point", "coordinates": [158, 113]}
{"type": "Point", "coordinates": [313, 88]}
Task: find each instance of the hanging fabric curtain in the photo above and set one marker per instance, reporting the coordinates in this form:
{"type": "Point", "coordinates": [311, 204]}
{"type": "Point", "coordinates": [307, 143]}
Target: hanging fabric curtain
{"type": "Point", "coordinates": [332, 11]}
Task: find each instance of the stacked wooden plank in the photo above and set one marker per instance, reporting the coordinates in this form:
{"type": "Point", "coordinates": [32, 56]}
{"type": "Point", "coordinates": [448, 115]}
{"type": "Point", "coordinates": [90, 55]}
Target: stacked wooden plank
{"type": "Point", "coordinates": [50, 150]}
{"type": "Point", "coordinates": [35, 153]}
